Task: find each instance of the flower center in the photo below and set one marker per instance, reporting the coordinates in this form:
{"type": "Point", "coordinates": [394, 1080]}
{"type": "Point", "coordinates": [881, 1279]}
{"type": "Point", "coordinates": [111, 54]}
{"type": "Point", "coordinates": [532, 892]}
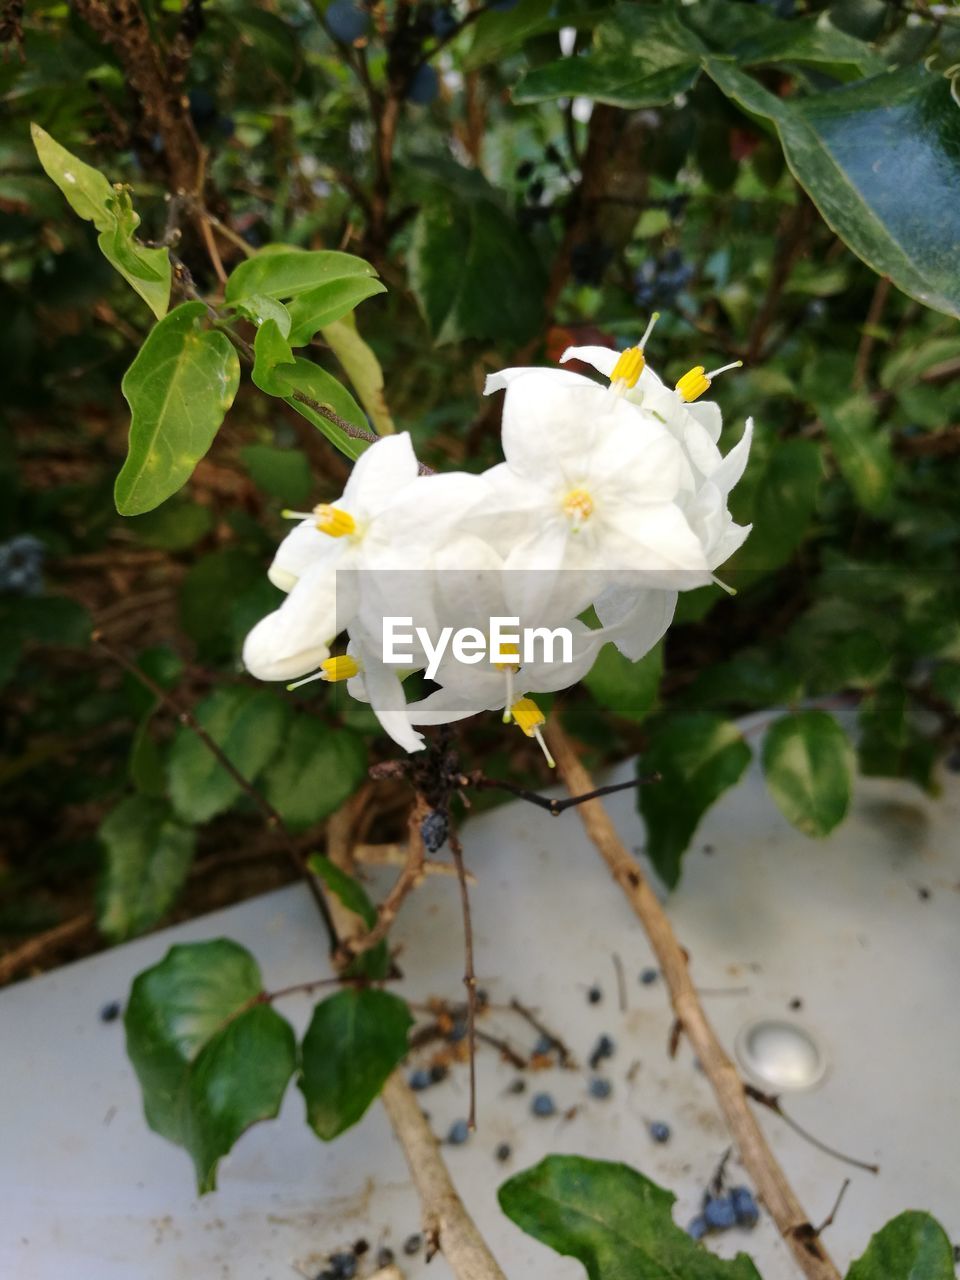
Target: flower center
{"type": "Point", "coordinates": [578, 506]}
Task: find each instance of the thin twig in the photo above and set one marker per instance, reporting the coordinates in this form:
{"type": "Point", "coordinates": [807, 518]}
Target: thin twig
{"type": "Point", "coordinates": [621, 982]}
{"type": "Point", "coordinates": [777, 1194]}
{"type": "Point", "coordinates": [772, 1102]}
{"type": "Point", "coordinates": [37, 948]}
{"type": "Point", "coordinates": [554, 806]}
{"type": "Point", "coordinates": [408, 879]}
{"type": "Point", "coordinates": [189, 720]}
{"type": "Point", "coordinates": [563, 1053]}
{"type": "Point", "coordinates": [829, 1219]}
{"type": "Point", "coordinates": [868, 336]}
{"type": "Point", "coordinates": [469, 976]}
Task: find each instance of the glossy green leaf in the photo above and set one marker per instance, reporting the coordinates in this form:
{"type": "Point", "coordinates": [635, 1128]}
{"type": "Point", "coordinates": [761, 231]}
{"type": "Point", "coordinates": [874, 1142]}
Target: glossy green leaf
{"type": "Point", "coordinates": [912, 1246]}
{"type": "Point", "coordinates": [355, 1039]}
{"type": "Point", "coordinates": [862, 450]}
{"type": "Point", "coordinates": [179, 388]}
{"type": "Point", "coordinates": [279, 372]}
{"type": "Point", "coordinates": [258, 308]}
{"type": "Point", "coordinates": [285, 273]}
{"type": "Point", "coordinates": [698, 757]}
{"type": "Point", "coordinates": [318, 768]}
{"type": "Point", "coordinates": [282, 473]}
{"type": "Point", "coordinates": [327, 303]}
{"type": "Point", "coordinates": [812, 41]}
{"type": "Point", "coordinates": [211, 1061]}
{"type": "Point", "coordinates": [881, 160]}
{"type": "Point", "coordinates": [362, 367]}
{"type": "Point", "coordinates": [611, 1218]}
{"type": "Point", "coordinates": [499, 32]}
{"type": "Point", "coordinates": [375, 962]}
{"type": "Point", "coordinates": [808, 764]}
{"type": "Point", "coordinates": [248, 725]}
{"type": "Point", "coordinates": [148, 855]}
{"type": "Point", "coordinates": [110, 210]}
{"type": "Point", "coordinates": [626, 688]}
{"type": "Point", "coordinates": [642, 56]}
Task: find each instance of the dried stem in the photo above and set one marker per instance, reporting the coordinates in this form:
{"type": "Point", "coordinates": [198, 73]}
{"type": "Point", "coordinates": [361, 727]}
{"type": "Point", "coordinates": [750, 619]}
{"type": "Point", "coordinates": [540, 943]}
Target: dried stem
{"type": "Point", "coordinates": [408, 879]}
{"type": "Point", "coordinates": [469, 975]}
{"type": "Point", "coordinates": [37, 948]}
{"type": "Point", "coordinates": [771, 1183]}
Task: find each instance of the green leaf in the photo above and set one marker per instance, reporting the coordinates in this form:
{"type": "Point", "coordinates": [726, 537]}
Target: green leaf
{"type": "Point", "coordinates": [148, 855]}
{"type": "Point", "coordinates": [317, 769]}
{"type": "Point", "coordinates": [179, 387]}
{"type": "Point", "coordinates": [374, 963]}
{"type": "Point", "coordinates": [698, 756]}
{"type": "Point", "coordinates": [862, 450]}
{"type": "Point", "coordinates": [211, 1061]}
{"type": "Point", "coordinates": [912, 1246]}
{"type": "Point", "coordinates": [227, 574]}
{"type": "Point", "coordinates": [472, 272]}
{"type": "Point", "coordinates": [282, 473]}
{"type": "Point", "coordinates": [310, 311]}
{"type": "Point", "coordinates": [778, 495]}
{"type": "Point", "coordinates": [813, 41]}
{"type": "Point", "coordinates": [881, 160]}
{"type": "Point", "coordinates": [611, 1218]}
{"type": "Point", "coordinates": [284, 273]}
{"type": "Point", "coordinates": [499, 32]}
{"type": "Point", "coordinates": [355, 1039]}
{"type": "Point", "coordinates": [110, 210]}
{"type": "Point", "coordinates": [642, 56]}
{"type": "Point", "coordinates": [258, 308]}
{"type": "Point", "coordinates": [808, 764]}
{"type": "Point", "coordinates": [362, 367]}
{"type": "Point", "coordinates": [890, 744]}
{"type": "Point", "coordinates": [626, 688]}
{"type": "Point", "coordinates": [248, 725]}
{"type": "Point", "coordinates": [278, 372]}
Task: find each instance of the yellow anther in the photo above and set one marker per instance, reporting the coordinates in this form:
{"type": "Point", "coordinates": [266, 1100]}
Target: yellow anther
{"type": "Point", "coordinates": [628, 368]}
{"type": "Point", "coordinates": [528, 715]}
{"type": "Point", "coordinates": [342, 668]}
{"type": "Point", "coordinates": [513, 651]}
{"type": "Point", "coordinates": [578, 505]}
{"type": "Point", "coordinates": [334, 521]}
{"type": "Point", "coordinates": [694, 383]}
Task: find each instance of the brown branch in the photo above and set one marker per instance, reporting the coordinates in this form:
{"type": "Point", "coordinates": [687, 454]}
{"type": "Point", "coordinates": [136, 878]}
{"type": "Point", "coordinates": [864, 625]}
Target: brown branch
{"type": "Point", "coordinates": [777, 1194]}
{"type": "Point", "coordinates": [36, 949]}
{"type": "Point", "coordinates": [868, 337]}
{"type": "Point", "coordinates": [469, 976]}
{"type": "Point", "coordinates": [408, 879]}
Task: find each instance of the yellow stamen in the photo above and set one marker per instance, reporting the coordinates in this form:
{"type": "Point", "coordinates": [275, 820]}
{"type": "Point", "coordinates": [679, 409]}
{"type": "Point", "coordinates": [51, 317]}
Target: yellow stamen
{"type": "Point", "coordinates": [629, 367]}
{"type": "Point", "coordinates": [514, 652]}
{"type": "Point", "coordinates": [696, 381]}
{"type": "Point", "coordinates": [334, 521]}
{"type": "Point", "coordinates": [529, 718]}
{"type": "Point", "coordinates": [342, 668]}
{"type": "Point", "coordinates": [578, 505]}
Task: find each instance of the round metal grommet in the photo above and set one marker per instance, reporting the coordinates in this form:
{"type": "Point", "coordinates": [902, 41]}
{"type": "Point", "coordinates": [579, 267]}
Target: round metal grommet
{"type": "Point", "coordinates": [780, 1054]}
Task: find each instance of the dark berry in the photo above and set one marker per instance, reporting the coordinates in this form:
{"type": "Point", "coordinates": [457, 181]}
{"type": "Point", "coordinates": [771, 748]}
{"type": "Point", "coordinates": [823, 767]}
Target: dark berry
{"type": "Point", "coordinates": [419, 1079]}
{"type": "Point", "coordinates": [524, 170]}
{"type": "Point", "coordinates": [458, 1031]}
{"type": "Point", "coordinates": [412, 1244]}
{"type": "Point", "coordinates": [551, 153]}
{"type": "Point", "coordinates": [343, 1265]}
{"type": "Point", "coordinates": [659, 1131]}
{"type": "Point", "coordinates": [434, 829]}
{"type": "Point", "coordinates": [543, 1046]}
{"type": "Point", "coordinates": [648, 976]}
{"type": "Point", "coordinates": [360, 1247]}
{"type": "Point", "coordinates": [438, 1072]}
{"type": "Point", "coordinates": [346, 21]}
{"type": "Point", "coordinates": [503, 1152]}
{"type": "Point", "coordinates": [443, 22]}
{"type": "Point", "coordinates": [604, 1048]}
{"type": "Point", "coordinates": [518, 1086]}
{"type": "Point", "coordinates": [424, 86]}
{"type": "Point", "coordinates": [744, 1206]}
{"type": "Point", "coordinates": [719, 1213]}
{"type": "Point", "coordinates": [543, 1105]}
{"type": "Point", "coordinates": [600, 1088]}
{"type": "Point", "coordinates": [594, 995]}
{"type": "Point", "coordinates": [697, 1227]}
{"type": "Point", "coordinates": [459, 1133]}
{"type": "Point", "coordinates": [110, 1012]}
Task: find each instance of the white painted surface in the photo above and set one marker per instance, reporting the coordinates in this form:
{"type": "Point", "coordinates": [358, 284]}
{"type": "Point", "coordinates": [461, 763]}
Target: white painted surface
{"type": "Point", "coordinates": [88, 1193]}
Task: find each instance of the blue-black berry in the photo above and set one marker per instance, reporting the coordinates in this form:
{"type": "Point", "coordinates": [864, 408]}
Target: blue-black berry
{"type": "Point", "coordinates": [346, 21]}
{"type": "Point", "coordinates": [443, 21]}
{"type": "Point", "coordinates": [419, 1079]}
{"type": "Point", "coordinates": [649, 976]}
{"type": "Point", "coordinates": [543, 1046]}
{"type": "Point", "coordinates": [604, 1048]}
{"type": "Point", "coordinates": [110, 1012]}
{"type": "Point", "coordinates": [503, 1152]}
{"type": "Point", "coordinates": [459, 1133]}
{"type": "Point", "coordinates": [438, 1072]}
{"type": "Point", "coordinates": [744, 1206]}
{"type": "Point", "coordinates": [412, 1244]}
{"type": "Point", "coordinates": [600, 1088]}
{"type": "Point", "coordinates": [594, 995]}
{"type": "Point", "coordinates": [343, 1265]}
{"type": "Point", "coordinates": [543, 1105]}
{"type": "Point", "coordinates": [434, 829]}
{"type": "Point", "coordinates": [719, 1213]}
{"type": "Point", "coordinates": [697, 1227]}
{"type": "Point", "coordinates": [659, 1131]}
{"type": "Point", "coordinates": [424, 86]}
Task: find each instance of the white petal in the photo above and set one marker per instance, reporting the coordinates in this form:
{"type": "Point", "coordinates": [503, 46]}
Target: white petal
{"type": "Point", "coordinates": [295, 639]}
{"type": "Point", "coordinates": [636, 620]}
{"type": "Point", "coordinates": [498, 381]}
{"type": "Point", "coordinates": [303, 546]}
{"type": "Point", "coordinates": [707, 413]}
{"type": "Point", "coordinates": [549, 428]}
{"type": "Point", "coordinates": [379, 473]}
{"type": "Point", "coordinates": [603, 359]}
{"type": "Point", "coordinates": [734, 464]}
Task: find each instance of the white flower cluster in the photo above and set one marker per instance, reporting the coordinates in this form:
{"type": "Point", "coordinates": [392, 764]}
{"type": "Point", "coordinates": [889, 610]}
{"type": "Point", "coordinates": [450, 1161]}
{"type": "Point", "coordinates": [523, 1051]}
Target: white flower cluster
{"type": "Point", "coordinates": [611, 496]}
